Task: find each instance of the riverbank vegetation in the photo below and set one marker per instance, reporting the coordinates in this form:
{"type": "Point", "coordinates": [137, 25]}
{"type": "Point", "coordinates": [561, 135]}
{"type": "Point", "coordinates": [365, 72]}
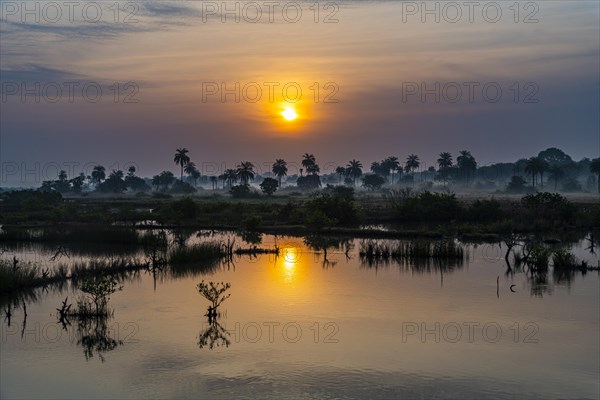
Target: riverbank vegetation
{"type": "Point", "coordinates": [459, 197]}
{"type": "Point", "coordinates": [334, 209]}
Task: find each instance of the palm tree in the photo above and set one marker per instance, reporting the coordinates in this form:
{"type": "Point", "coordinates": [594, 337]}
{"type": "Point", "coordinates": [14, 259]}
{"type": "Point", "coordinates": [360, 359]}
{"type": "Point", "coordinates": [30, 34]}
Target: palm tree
{"type": "Point", "coordinates": [156, 182]}
{"type": "Point", "coordinates": [392, 164]}
{"type": "Point", "coordinates": [98, 174]}
{"type": "Point", "coordinates": [556, 172]}
{"type": "Point", "coordinates": [466, 164]}
{"type": "Point", "coordinates": [543, 167]}
{"type": "Point", "coordinates": [377, 169]}
{"type": "Point", "coordinates": [309, 162]}
{"type": "Point", "coordinates": [195, 176]}
{"type": "Point", "coordinates": [445, 162]}
{"type": "Point", "coordinates": [245, 171]}
{"type": "Point", "coordinates": [534, 166]}
{"type": "Point", "coordinates": [280, 169]}
{"type": "Point", "coordinates": [230, 176]}
{"type": "Point", "coordinates": [412, 163]}
{"type": "Point", "coordinates": [192, 171]}
{"type": "Point", "coordinates": [354, 169]}
{"type": "Point", "coordinates": [182, 159]}
{"type": "Point", "coordinates": [595, 169]}
{"type": "Point", "coordinates": [341, 171]}
{"type": "Point", "coordinates": [531, 168]}
{"type": "Point", "coordinates": [214, 180]}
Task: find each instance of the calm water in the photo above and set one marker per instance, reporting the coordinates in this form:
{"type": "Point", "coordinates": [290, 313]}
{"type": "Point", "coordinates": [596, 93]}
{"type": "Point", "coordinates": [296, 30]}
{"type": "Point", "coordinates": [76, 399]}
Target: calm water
{"type": "Point", "coordinates": [298, 327]}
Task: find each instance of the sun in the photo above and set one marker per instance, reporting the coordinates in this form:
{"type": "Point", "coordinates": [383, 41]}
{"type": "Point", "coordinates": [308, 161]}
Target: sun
{"type": "Point", "coordinates": [289, 114]}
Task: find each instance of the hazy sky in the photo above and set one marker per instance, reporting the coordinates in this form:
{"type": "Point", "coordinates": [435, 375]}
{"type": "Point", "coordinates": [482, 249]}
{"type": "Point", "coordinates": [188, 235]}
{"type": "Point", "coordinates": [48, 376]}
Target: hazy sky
{"type": "Point", "coordinates": [489, 79]}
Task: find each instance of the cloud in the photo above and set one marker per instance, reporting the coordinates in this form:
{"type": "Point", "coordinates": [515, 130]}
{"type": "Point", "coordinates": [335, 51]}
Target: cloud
{"type": "Point", "coordinates": [171, 8]}
{"type": "Point", "coordinates": [78, 31]}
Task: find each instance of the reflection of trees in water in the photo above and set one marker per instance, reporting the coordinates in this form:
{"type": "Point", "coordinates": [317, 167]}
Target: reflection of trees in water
{"type": "Point", "coordinates": [324, 244]}
{"type": "Point", "coordinates": [422, 266]}
{"type": "Point", "coordinates": [182, 235]}
{"type": "Point", "coordinates": [591, 244]}
{"type": "Point", "coordinates": [194, 269]}
{"type": "Point", "coordinates": [92, 331]}
{"type": "Point", "coordinates": [539, 285]}
{"type": "Point", "coordinates": [251, 237]}
{"type": "Point", "coordinates": [15, 303]}
{"type": "Point", "coordinates": [213, 336]}
{"type": "Point", "coordinates": [534, 257]}
{"type": "Point", "coordinates": [94, 336]}
{"type": "Point", "coordinates": [12, 304]}
{"type": "Point", "coordinates": [421, 256]}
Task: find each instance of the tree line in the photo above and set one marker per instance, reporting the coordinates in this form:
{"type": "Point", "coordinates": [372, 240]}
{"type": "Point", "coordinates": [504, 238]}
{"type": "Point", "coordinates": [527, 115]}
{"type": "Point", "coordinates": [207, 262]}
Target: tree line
{"type": "Point", "coordinates": [550, 168]}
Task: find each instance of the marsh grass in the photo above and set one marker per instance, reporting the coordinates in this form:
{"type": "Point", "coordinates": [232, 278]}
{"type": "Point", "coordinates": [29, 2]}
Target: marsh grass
{"type": "Point", "coordinates": [97, 267]}
{"type": "Point", "coordinates": [199, 258]}
{"type": "Point", "coordinates": [198, 253]}
{"type": "Point", "coordinates": [564, 259]}
{"type": "Point", "coordinates": [85, 310]}
{"type": "Point", "coordinates": [414, 250]}
{"type": "Point", "coordinates": [17, 277]}
{"type": "Point", "coordinates": [21, 276]}
{"type": "Point", "coordinates": [418, 256]}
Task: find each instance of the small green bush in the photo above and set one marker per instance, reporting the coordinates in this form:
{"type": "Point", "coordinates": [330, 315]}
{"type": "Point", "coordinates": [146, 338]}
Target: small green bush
{"type": "Point", "coordinates": [240, 191]}
{"type": "Point", "coordinates": [428, 206]}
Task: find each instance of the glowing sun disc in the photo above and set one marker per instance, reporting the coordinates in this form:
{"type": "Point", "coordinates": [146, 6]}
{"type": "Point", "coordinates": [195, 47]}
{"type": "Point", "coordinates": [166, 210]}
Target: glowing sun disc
{"type": "Point", "coordinates": [289, 114]}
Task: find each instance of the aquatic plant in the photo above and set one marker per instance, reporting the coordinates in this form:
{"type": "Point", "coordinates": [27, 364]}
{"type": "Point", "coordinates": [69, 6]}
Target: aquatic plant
{"type": "Point", "coordinates": [213, 292]}
{"type": "Point", "coordinates": [97, 293]}
{"type": "Point", "coordinates": [206, 252]}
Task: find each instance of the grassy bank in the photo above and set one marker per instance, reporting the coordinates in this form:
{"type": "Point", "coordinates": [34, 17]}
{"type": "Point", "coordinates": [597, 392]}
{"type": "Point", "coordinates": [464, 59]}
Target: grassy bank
{"type": "Point", "coordinates": [332, 211]}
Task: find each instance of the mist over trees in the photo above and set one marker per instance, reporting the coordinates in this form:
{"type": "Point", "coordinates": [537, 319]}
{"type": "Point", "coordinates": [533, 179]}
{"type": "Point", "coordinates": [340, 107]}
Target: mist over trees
{"type": "Point", "coordinates": [549, 170]}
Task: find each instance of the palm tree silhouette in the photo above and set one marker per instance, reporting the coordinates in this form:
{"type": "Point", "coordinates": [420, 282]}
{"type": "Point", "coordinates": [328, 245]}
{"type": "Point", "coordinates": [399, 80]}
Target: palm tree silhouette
{"type": "Point", "coordinates": [280, 169]}
{"type": "Point", "coordinates": [98, 174]}
{"type": "Point", "coordinates": [412, 163]}
{"type": "Point", "coordinates": [530, 168]}
{"type": "Point", "coordinates": [376, 168]}
{"type": "Point", "coordinates": [230, 176]}
{"type": "Point", "coordinates": [535, 166]}
{"type": "Point", "coordinates": [309, 162]}
{"type": "Point", "coordinates": [445, 162]}
{"type": "Point", "coordinates": [466, 164]}
{"type": "Point", "coordinates": [392, 164]}
{"type": "Point", "coordinates": [595, 169]}
{"type": "Point", "coordinates": [341, 171]}
{"type": "Point", "coordinates": [556, 172]}
{"type": "Point", "coordinates": [182, 159]}
{"type": "Point", "coordinates": [354, 169]}
{"type": "Point", "coordinates": [192, 171]}
{"type": "Point", "coordinates": [245, 171]}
